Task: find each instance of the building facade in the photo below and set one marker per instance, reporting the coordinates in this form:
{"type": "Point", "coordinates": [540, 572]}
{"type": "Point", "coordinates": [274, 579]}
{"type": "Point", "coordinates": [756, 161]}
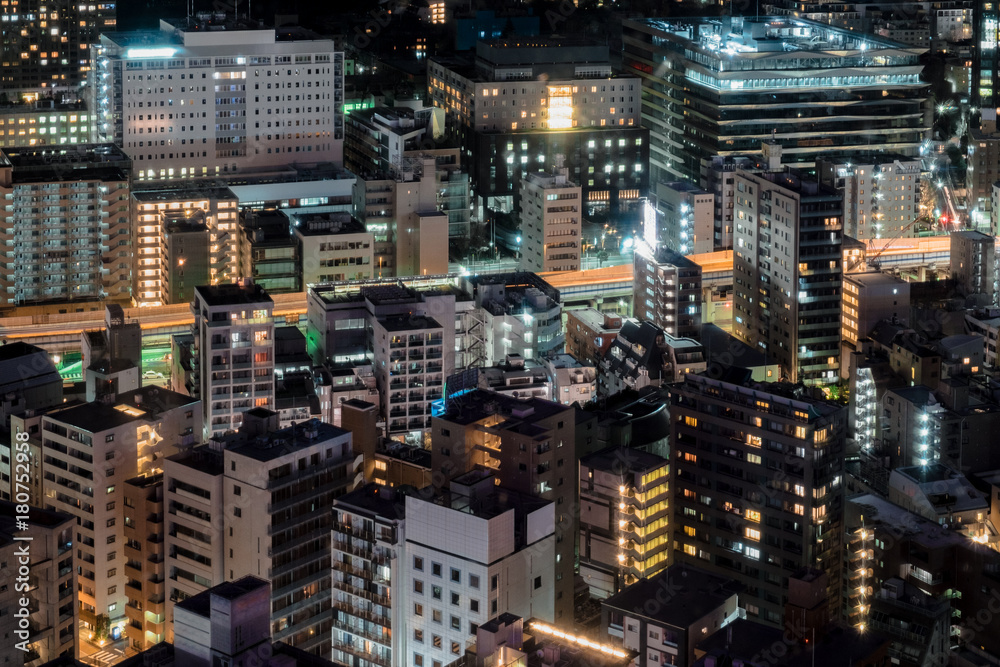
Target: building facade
{"type": "Point", "coordinates": [225, 101]}
{"type": "Point", "coordinates": [551, 223]}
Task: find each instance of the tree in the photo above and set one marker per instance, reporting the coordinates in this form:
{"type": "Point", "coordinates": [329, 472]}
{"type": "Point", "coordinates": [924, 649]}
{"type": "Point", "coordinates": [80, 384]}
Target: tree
{"type": "Point", "coordinates": [102, 627]}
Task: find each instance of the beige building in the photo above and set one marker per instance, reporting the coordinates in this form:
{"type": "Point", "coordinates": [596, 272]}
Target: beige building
{"type": "Point", "coordinates": [53, 612]}
{"type": "Point", "coordinates": [881, 194]}
{"type": "Point", "coordinates": [92, 450]}
{"type": "Point", "coordinates": [65, 225]}
{"type": "Point", "coordinates": [667, 291]}
{"type": "Point", "coordinates": [870, 297]}
{"type": "Point", "coordinates": [333, 247]}
{"type": "Point", "coordinates": [155, 210]}
{"type": "Point", "coordinates": [145, 611]}
{"type": "Point", "coordinates": [551, 222]}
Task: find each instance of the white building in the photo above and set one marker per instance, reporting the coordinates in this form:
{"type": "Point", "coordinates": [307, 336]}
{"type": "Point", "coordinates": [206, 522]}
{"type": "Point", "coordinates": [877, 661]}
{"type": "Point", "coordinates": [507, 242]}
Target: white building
{"type": "Point", "coordinates": [686, 216]}
{"type": "Point", "coordinates": [551, 222]}
{"type": "Point", "coordinates": [881, 194]}
{"type": "Point", "coordinates": [234, 335]}
{"type": "Point", "coordinates": [209, 96]}
{"type": "Point", "coordinates": [572, 381]}
{"type": "Point", "coordinates": [334, 247]}
{"type": "Point", "coordinates": [472, 553]}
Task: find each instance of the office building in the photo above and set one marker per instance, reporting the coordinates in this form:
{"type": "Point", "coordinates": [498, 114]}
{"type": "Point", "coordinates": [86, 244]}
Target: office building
{"type": "Point", "coordinates": [334, 247]}
{"type": "Point", "coordinates": [406, 332]}
{"type": "Point", "coordinates": [625, 518]}
{"type": "Point", "coordinates": [91, 451]}
{"type": "Point", "coordinates": [787, 272]}
{"type": "Point", "coordinates": [726, 437]}
{"type": "Point", "coordinates": [49, 51]}
{"type": "Point", "coordinates": [369, 596]}
{"type": "Point", "coordinates": [844, 91]}
{"type": "Point", "coordinates": [551, 222]}
{"type": "Point", "coordinates": [529, 445]}
{"type": "Point", "coordinates": [44, 123]}
{"type": "Point", "coordinates": [193, 214]}
{"type": "Point", "coordinates": [986, 65]}
{"type": "Point", "coordinates": [234, 339]}
{"type": "Point", "coordinates": [268, 254]}
{"type": "Point", "coordinates": [53, 614]}
{"type": "Point", "coordinates": [718, 177]}
{"type": "Point", "coordinates": [521, 102]}
{"type": "Point", "coordinates": [66, 225]}
{"type": "Point", "coordinates": [695, 603]}
{"type": "Point", "coordinates": [30, 382]}
{"type": "Point", "coordinates": [405, 213]}
{"type": "Point", "coordinates": [230, 98]}
{"type": "Point", "coordinates": [973, 265]}
{"type": "Point", "coordinates": [983, 159]}
{"type": "Point", "coordinates": [473, 552]}
{"type": "Point", "coordinates": [881, 194]}
{"type": "Point", "coordinates": [666, 290]}
{"type": "Point", "coordinates": [377, 139]}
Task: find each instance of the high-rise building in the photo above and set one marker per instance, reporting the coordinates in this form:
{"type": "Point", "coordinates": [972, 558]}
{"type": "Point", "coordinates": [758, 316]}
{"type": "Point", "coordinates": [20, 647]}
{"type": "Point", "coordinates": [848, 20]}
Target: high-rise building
{"type": "Point", "coordinates": [666, 291]}
{"type": "Point", "coordinates": [46, 47]}
{"type": "Point", "coordinates": [522, 101]}
{"type": "Point", "coordinates": [726, 438]}
{"type": "Point", "coordinates": [625, 518]}
{"type": "Point", "coordinates": [44, 123]}
{"type": "Point", "coordinates": [145, 611]}
{"type": "Point", "coordinates": [230, 98]}
{"type": "Point", "coordinates": [530, 447]}
{"type": "Point", "coordinates": [66, 225]}
{"type": "Point", "coordinates": [551, 222]}
{"type": "Point", "coordinates": [986, 64]}
{"type": "Point", "coordinates": [881, 194]}
{"type": "Point", "coordinates": [474, 551]}
{"type": "Point", "coordinates": [91, 451]}
{"type": "Point", "coordinates": [369, 596]}
{"type": "Point", "coordinates": [234, 337]}
{"type": "Point", "coordinates": [47, 554]}
{"type": "Point", "coordinates": [787, 270]}
{"type": "Point", "coordinates": [158, 263]}
{"type": "Point", "coordinates": [843, 91]}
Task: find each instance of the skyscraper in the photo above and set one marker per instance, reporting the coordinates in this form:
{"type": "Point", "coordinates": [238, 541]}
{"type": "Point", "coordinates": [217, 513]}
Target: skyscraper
{"type": "Point", "coordinates": [718, 86]}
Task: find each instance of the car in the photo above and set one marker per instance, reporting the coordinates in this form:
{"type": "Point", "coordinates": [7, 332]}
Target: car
{"type": "Point", "coordinates": [152, 375]}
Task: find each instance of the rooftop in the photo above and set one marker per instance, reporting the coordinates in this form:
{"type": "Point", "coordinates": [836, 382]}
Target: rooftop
{"type": "Point", "coordinates": [622, 460]}
{"type": "Point", "coordinates": [408, 323]}
{"type": "Point", "coordinates": [381, 501]}
{"type": "Point", "coordinates": [232, 294]}
{"type": "Point", "coordinates": [480, 404]}
{"type": "Point", "coordinates": [284, 441]}
{"type": "Point", "coordinates": [694, 593]}
{"type": "Point", "coordinates": [201, 604]}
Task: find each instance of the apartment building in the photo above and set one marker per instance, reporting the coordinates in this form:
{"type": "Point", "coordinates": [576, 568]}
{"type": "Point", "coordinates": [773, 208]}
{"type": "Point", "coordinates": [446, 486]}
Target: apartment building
{"type": "Point", "coordinates": [667, 291]}
{"type": "Point", "coordinates": [520, 313]}
{"type": "Point", "coordinates": [625, 523]}
{"type": "Point", "coordinates": [210, 96]}
{"type": "Point", "coordinates": [370, 600]}
{"type": "Point", "coordinates": [49, 51]}
{"type": "Point", "coordinates": [53, 614]}
{"type": "Point", "coordinates": [406, 331]}
{"type": "Point", "coordinates": [158, 216]}
{"type": "Point", "coordinates": [643, 355]}
{"type": "Point", "coordinates": [726, 438]}
{"type": "Point", "coordinates": [66, 225]}
{"type": "Point", "coordinates": [474, 551]}
{"type": "Point", "coordinates": [590, 332]}
{"type": "Point", "coordinates": [268, 253]}
{"type": "Point", "coordinates": [530, 447]}
{"type": "Point", "coordinates": [234, 338]}
{"type": "Point", "coordinates": [741, 62]}
{"type": "Point", "coordinates": [90, 452]}
{"type": "Point", "coordinates": [881, 194]}
{"type": "Point", "coordinates": [522, 101]}
{"type": "Point", "coordinates": [870, 297]}
{"type": "Point", "coordinates": [551, 222]}
{"type": "Point", "coordinates": [145, 609]}
{"type": "Point", "coordinates": [573, 382]}
{"type": "Point", "coordinates": [973, 264]}
{"type": "Point", "coordinates": [787, 272]}
{"type": "Point", "coordinates": [685, 219]}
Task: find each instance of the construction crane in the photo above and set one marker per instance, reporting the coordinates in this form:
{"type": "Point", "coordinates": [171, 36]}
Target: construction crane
{"type": "Point", "coordinates": [873, 261]}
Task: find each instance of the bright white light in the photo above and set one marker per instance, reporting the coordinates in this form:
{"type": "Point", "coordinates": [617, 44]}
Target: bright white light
{"type": "Point", "coordinates": [627, 244]}
{"type": "Point", "coordinates": [161, 52]}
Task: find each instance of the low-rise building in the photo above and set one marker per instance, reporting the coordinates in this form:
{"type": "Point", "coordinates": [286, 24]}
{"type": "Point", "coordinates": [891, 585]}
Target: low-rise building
{"type": "Point", "coordinates": [334, 247]}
